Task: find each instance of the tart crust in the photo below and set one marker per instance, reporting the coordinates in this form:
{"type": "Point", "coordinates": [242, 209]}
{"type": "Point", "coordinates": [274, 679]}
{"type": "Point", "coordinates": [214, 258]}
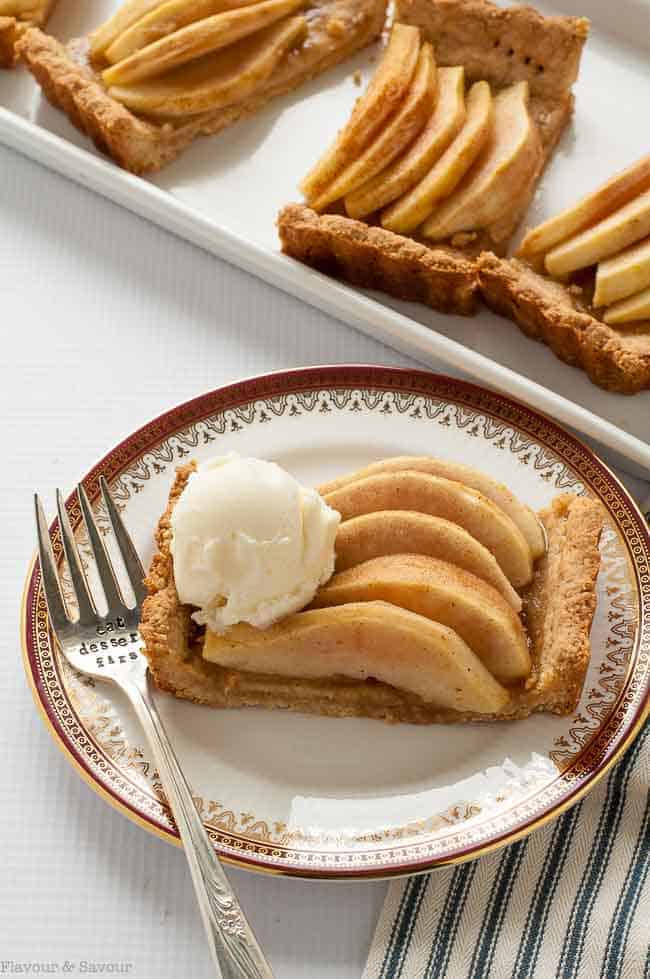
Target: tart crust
{"type": "Point", "coordinates": [377, 259]}
{"type": "Point", "coordinates": [618, 360]}
{"type": "Point", "coordinates": [336, 29]}
{"type": "Point", "coordinates": [559, 607]}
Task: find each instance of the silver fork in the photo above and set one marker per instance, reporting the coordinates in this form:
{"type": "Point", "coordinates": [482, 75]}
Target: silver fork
{"type": "Point", "coordinates": [109, 647]}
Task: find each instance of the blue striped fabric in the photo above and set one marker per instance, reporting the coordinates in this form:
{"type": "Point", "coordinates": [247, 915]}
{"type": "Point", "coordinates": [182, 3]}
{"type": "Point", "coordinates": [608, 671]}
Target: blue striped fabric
{"type": "Point", "coordinates": [569, 901]}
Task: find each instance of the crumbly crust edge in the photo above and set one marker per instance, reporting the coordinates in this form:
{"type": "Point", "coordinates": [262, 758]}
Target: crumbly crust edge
{"type": "Point", "coordinates": [373, 258]}
{"type": "Point", "coordinates": [546, 310]}
{"type": "Point", "coordinates": [560, 605]}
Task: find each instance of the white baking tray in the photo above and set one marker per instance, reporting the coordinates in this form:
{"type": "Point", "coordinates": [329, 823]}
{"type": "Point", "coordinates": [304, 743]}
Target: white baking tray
{"type": "Point", "coordinates": [224, 193]}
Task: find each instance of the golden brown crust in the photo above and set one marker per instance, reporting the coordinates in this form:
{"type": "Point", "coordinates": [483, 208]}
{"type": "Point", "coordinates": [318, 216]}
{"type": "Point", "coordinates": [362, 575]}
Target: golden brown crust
{"type": "Point", "coordinates": [618, 360]}
{"type": "Point", "coordinates": [12, 28]}
{"type": "Point", "coordinates": [8, 38]}
{"type": "Point", "coordinates": [561, 602]}
{"type": "Point", "coordinates": [501, 45]}
{"type": "Point", "coordinates": [373, 258]}
{"type": "Point", "coordinates": [559, 608]}
{"type": "Point", "coordinates": [336, 29]}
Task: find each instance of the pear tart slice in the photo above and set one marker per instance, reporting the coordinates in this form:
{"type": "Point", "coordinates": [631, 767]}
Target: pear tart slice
{"type": "Point", "coordinates": [160, 73]}
{"type": "Point", "coordinates": [15, 17]}
{"type": "Point", "coordinates": [413, 208]}
{"type": "Point", "coordinates": [581, 282]}
{"type": "Point", "coordinates": [420, 622]}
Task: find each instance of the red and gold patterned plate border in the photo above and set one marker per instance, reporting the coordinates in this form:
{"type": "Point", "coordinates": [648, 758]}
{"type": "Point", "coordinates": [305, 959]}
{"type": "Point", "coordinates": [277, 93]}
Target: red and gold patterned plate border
{"type": "Point", "coordinates": [625, 719]}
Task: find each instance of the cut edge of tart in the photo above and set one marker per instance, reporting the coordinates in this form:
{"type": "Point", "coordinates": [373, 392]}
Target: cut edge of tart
{"type": "Point", "coordinates": [578, 281]}
{"type": "Point", "coordinates": [559, 605]}
{"type": "Point", "coordinates": [335, 29]}
{"type": "Point", "coordinates": [615, 359]}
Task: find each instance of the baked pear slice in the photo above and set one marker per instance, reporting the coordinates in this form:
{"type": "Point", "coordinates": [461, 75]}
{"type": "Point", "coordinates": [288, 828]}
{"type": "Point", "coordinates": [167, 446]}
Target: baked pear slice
{"type": "Point", "coordinates": [522, 515]}
{"type": "Point", "coordinates": [623, 275]}
{"type": "Point", "coordinates": [123, 18]}
{"type": "Point", "coordinates": [363, 641]}
{"type": "Point", "coordinates": [624, 227]}
{"type": "Point", "coordinates": [500, 176]}
{"type": "Point", "coordinates": [444, 593]}
{"type": "Point", "coordinates": [164, 19]}
{"type": "Point", "coordinates": [629, 310]}
{"type": "Point", "coordinates": [217, 80]}
{"type": "Point", "coordinates": [407, 532]}
{"type": "Point", "coordinates": [400, 130]}
{"type": "Point", "coordinates": [599, 204]}
{"type": "Point", "coordinates": [385, 93]}
{"type": "Point", "coordinates": [441, 498]}
{"type": "Point", "coordinates": [444, 122]}
{"type": "Point", "coordinates": [407, 213]}
{"type": "Point", "coordinates": [197, 39]}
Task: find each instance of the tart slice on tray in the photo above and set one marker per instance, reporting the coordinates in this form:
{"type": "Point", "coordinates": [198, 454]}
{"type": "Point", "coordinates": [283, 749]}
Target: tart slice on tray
{"type": "Point", "coordinates": [417, 590]}
{"type": "Point", "coordinates": [160, 73]}
{"type": "Point", "coordinates": [405, 201]}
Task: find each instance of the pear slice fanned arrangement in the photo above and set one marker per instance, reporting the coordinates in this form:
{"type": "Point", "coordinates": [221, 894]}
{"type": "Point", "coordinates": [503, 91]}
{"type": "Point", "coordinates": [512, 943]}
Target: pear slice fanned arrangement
{"type": "Point", "coordinates": [183, 57]}
{"type": "Point", "coordinates": [429, 556]}
{"type": "Point", "coordinates": [459, 165]}
{"type": "Point", "coordinates": [608, 231]}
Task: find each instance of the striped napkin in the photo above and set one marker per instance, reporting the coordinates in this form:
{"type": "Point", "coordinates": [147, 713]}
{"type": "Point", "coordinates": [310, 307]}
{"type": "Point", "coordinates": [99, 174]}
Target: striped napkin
{"type": "Point", "coordinates": [571, 900]}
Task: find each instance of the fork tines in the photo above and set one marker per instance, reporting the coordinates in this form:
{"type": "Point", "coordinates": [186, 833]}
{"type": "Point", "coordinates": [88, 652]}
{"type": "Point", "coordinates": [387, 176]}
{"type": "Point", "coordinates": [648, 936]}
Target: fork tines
{"type": "Point", "coordinates": [58, 611]}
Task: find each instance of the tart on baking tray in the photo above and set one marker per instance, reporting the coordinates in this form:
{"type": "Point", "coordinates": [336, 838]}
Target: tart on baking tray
{"type": "Point", "coordinates": [423, 204]}
{"type": "Point", "coordinates": [421, 193]}
{"type": "Point", "coordinates": [160, 73]}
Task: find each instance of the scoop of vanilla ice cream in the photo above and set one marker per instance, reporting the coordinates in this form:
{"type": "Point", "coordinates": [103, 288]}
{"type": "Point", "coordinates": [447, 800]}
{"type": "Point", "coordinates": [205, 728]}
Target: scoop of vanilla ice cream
{"type": "Point", "coordinates": [249, 543]}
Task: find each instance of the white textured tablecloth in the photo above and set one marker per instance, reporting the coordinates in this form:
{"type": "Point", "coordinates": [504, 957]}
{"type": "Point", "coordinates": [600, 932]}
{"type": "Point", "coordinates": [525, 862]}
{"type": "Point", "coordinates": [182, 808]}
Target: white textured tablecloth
{"type": "Point", "coordinates": [105, 321]}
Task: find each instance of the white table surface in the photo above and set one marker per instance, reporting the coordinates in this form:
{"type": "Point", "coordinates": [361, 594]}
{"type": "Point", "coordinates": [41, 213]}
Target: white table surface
{"type": "Point", "coordinates": [105, 321]}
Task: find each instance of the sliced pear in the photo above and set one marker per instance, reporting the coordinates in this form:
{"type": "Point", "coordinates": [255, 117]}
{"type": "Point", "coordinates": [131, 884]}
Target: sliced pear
{"type": "Point", "coordinates": [399, 131]}
{"type": "Point", "coordinates": [597, 205]}
{"type": "Point", "coordinates": [623, 275]}
{"type": "Point", "coordinates": [443, 593]}
{"type": "Point", "coordinates": [163, 20]}
{"type": "Point", "coordinates": [383, 96]}
{"type": "Point", "coordinates": [407, 213]}
{"type": "Point", "coordinates": [198, 39]}
{"type": "Point", "coordinates": [500, 175]}
{"type": "Point", "coordinates": [624, 227]}
{"type": "Point", "coordinates": [630, 310]}
{"type": "Point", "coordinates": [362, 641]}
{"type": "Point", "coordinates": [122, 19]}
{"type": "Point", "coordinates": [522, 515]}
{"type": "Point", "coordinates": [441, 498]}
{"type": "Point", "coordinates": [407, 532]}
{"type": "Point", "coordinates": [216, 80]}
{"type": "Point", "coordinates": [444, 122]}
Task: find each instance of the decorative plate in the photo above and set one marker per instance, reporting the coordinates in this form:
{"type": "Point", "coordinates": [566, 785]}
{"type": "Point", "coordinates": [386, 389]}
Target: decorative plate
{"type": "Point", "coordinates": [321, 797]}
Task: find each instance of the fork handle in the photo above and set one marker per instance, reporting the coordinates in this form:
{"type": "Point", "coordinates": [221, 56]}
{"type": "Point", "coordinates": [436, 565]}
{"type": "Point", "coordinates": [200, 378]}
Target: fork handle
{"type": "Point", "coordinates": [235, 951]}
